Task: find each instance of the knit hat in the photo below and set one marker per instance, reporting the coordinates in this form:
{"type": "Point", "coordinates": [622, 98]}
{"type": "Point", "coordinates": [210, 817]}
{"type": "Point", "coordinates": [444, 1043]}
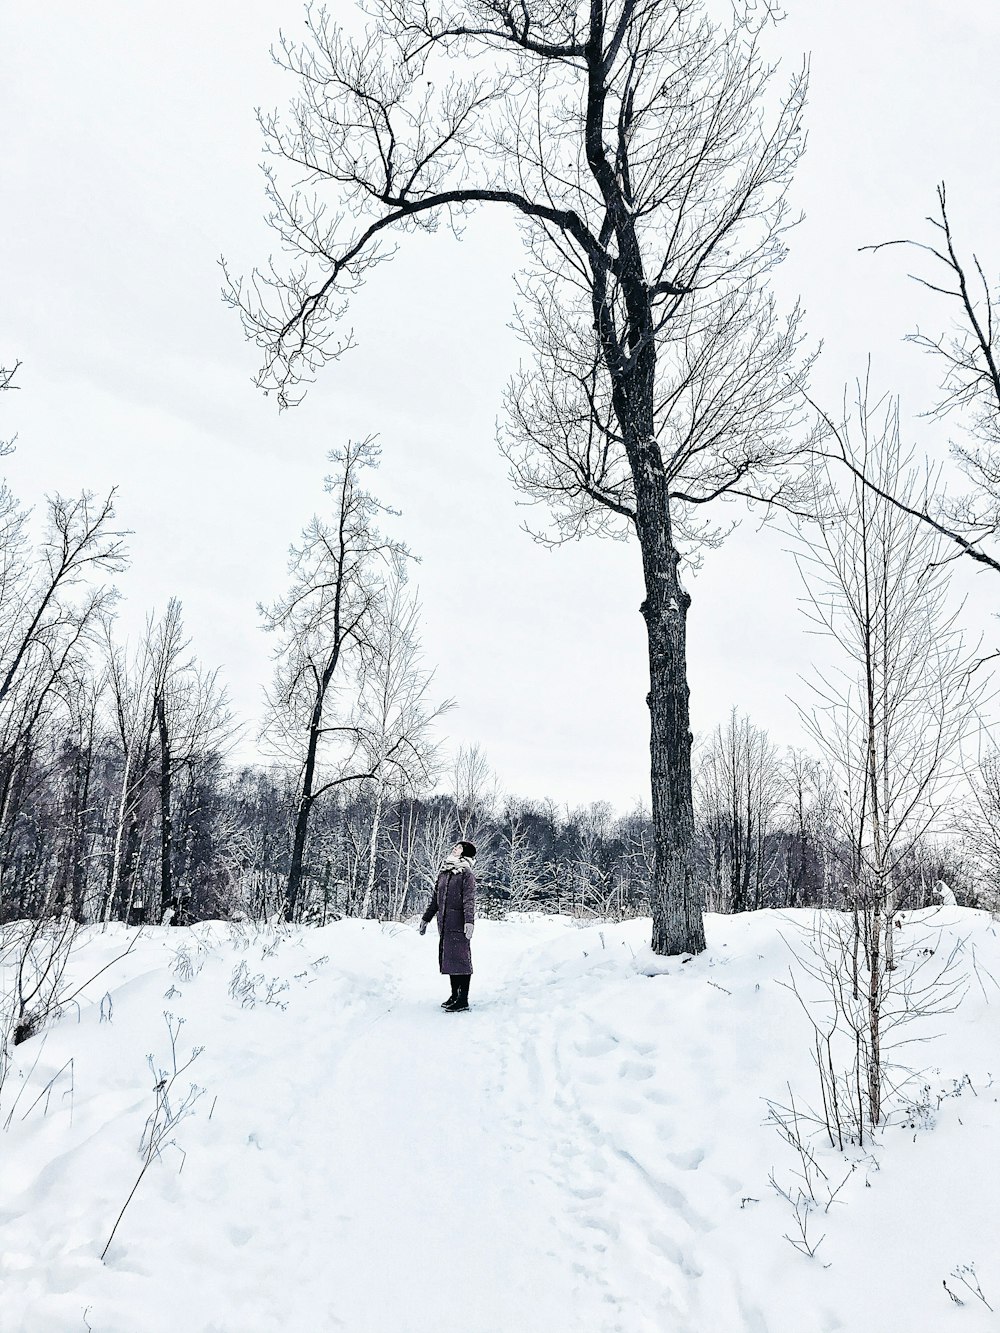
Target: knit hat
{"type": "Point", "coordinates": [469, 850]}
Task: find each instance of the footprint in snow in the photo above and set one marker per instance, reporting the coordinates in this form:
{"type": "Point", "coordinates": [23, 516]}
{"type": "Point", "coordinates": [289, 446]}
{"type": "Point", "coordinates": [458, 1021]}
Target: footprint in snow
{"type": "Point", "coordinates": [636, 1069]}
{"type": "Point", "coordinates": [603, 1224]}
{"type": "Point", "coordinates": [585, 1192]}
{"type": "Point", "coordinates": [687, 1161]}
{"type": "Point", "coordinates": [658, 1096]}
{"type": "Point", "coordinates": [596, 1044]}
{"type": "Point", "coordinates": [669, 1249]}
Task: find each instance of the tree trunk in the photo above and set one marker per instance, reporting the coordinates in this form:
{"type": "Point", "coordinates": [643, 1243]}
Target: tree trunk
{"type": "Point", "coordinates": [676, 901]}
{"type": "Point", "coordinates": [78, 873]}
{"type": "Point", "coordinates": [166, 820]}
{"type": "Point", "coordinates": [114, 878]}
{"type": "Point", "coordinates": [293, 891]}
{"type": "Point", "coordinates": [366, 902]}
{"type": "Point", "coordinates": [403, 890]}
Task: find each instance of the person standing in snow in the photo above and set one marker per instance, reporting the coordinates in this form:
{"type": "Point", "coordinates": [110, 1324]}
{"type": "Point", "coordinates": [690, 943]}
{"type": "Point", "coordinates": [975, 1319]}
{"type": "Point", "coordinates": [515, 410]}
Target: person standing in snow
{"type": "Point", "coordinates": [453, 902]}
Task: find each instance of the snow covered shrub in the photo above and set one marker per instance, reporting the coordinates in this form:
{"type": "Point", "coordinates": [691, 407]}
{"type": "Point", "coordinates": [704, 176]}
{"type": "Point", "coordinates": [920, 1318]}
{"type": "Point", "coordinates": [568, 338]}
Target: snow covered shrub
{"type": "Point", "coordinates": [192, 954]}
{"type": "Point", "coordinates": [253, 988]}
{"type": "Point", "coordinates": [33, 959]}
{"type": "Point", "coordinates": [918, 1108]}
{"type": "Point", "coordinates": [167, 1113]}
{"type": "Point", "coordinates": [184, 967]}
{"type": "Point", "coordinates": [859, 1005]}
{"type": "Point", "coordinates": [810, 1189]}
{"type": "Point", "coordinates": [34, 956]}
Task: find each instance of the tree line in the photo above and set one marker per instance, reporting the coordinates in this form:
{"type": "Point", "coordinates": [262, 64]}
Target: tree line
{"type": "Point", "coordinates": [118, 800]}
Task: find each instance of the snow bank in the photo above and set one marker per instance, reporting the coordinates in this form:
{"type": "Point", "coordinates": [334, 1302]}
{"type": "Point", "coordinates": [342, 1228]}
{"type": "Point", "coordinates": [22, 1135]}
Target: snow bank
{"type": "Point", "coordinates": [587, 1148]}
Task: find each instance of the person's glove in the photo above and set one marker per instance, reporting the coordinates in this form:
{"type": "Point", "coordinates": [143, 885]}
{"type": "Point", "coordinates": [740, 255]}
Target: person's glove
{"type": "Point", "coordinates": [423, 927]}
{"type": "Point", "coordinates": [468, 930]}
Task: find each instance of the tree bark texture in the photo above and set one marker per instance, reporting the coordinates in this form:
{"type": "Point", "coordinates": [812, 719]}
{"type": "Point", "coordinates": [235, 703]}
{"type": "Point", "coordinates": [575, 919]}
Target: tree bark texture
{"type": "Point", "coordinates": [675, 896]}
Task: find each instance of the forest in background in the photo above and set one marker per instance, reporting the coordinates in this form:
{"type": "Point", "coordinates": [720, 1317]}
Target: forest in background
{"type": "Point", "coordinates": [118, 800]}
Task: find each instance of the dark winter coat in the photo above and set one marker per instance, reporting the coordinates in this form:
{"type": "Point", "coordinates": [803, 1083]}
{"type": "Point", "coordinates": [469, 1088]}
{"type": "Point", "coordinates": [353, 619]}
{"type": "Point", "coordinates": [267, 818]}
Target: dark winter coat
{"type": "Point", "coordinates": [453, 902]}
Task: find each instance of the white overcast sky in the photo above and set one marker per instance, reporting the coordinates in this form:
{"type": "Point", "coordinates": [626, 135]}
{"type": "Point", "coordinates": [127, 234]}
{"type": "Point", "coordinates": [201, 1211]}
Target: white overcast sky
{"type": "Point", "coordinates": [129, 164]}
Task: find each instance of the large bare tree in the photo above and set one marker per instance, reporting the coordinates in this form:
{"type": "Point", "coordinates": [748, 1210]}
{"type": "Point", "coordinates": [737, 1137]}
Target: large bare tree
{"type": "Point", "coordinates": [644, 152]}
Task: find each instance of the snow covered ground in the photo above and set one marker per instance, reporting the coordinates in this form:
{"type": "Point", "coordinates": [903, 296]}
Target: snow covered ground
{"type": "Point", "coordinates": [586, 1149]}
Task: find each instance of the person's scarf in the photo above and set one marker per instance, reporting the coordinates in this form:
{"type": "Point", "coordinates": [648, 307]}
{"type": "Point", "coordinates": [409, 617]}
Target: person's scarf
{"type": "Point", "coordinates": [455, 864]}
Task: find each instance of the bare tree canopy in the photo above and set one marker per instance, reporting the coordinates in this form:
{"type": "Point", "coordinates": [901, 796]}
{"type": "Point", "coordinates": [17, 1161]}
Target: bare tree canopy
{"type": "Point", "coordinates": [7, 374]}
{"type": "Point", "coordinates": [970, 388]}
{"type": "Point", "coordinates": [643, 151]}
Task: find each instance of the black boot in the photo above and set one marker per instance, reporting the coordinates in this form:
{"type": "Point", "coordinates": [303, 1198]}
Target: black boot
{"type": "Point", "coordinates": [462, 1002]}
{"type": "Point", "coordinates": [452, 999]}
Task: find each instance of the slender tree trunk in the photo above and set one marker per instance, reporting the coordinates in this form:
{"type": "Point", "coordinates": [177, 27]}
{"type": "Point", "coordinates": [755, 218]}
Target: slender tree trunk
{"type": "Point", "coordinates": [166, 819]}
{"type": "Point", "coordinates": [11, 767]}
{"type": "Point", "coordinates": [116, 859]}
{"type": "Point", "coordinates": [293, 891]}
{"type": "Point", "coordinates": [293, 888]}
{"type": "Point", "coordinates": [404, 892]}
{"type": "Point", "coordinates": [800, 889]}
{"type": "Point", "coordinates": [326, 888]}
{"type": "Point", "coordinates": [366, 902]}
{"type": "Point", "coordinates": [78, 873]}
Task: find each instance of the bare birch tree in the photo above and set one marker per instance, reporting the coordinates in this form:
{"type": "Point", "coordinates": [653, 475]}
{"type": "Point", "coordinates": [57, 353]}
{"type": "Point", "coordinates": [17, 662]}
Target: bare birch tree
{"type": "Point", "coordinates": [474, 790]}
{"type": "Point", "coordinates": [738, 786]}
{"type": "Point", "coordinates": [39, 588]}
{"type": "Point", "coordinates": [437, 837]}
{"type": "Point", "coordinates": [631, 140]}
{"type": "Point", "coordinates": [190, 712]}
{"type": "Point", "coordinates": [517, 862]}
{"type": "Point", "coordinates": [808, 807]}
{"type": "Point", "coordinates": [890, 715]}
{"type": "Point", "coordinates": [169, 716]}
{"type": "Point", "coordinates": [328, 619]}
{"type": "Point", "coordinates": [395, 716]}
{"type": "Point", "coordinates": [132, 725]}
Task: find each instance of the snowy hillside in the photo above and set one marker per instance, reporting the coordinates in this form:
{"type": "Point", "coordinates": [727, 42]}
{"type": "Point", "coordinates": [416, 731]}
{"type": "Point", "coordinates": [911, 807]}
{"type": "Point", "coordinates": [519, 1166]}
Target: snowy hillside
{"type": "Point", "coordinates": [587, 1149]}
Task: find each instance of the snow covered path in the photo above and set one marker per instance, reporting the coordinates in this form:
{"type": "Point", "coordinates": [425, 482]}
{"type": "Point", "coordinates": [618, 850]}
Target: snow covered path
{"type": "Point", "coordinates": [583, 1150]}
{"type": "Point", "coordinates": [423, 1189]}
